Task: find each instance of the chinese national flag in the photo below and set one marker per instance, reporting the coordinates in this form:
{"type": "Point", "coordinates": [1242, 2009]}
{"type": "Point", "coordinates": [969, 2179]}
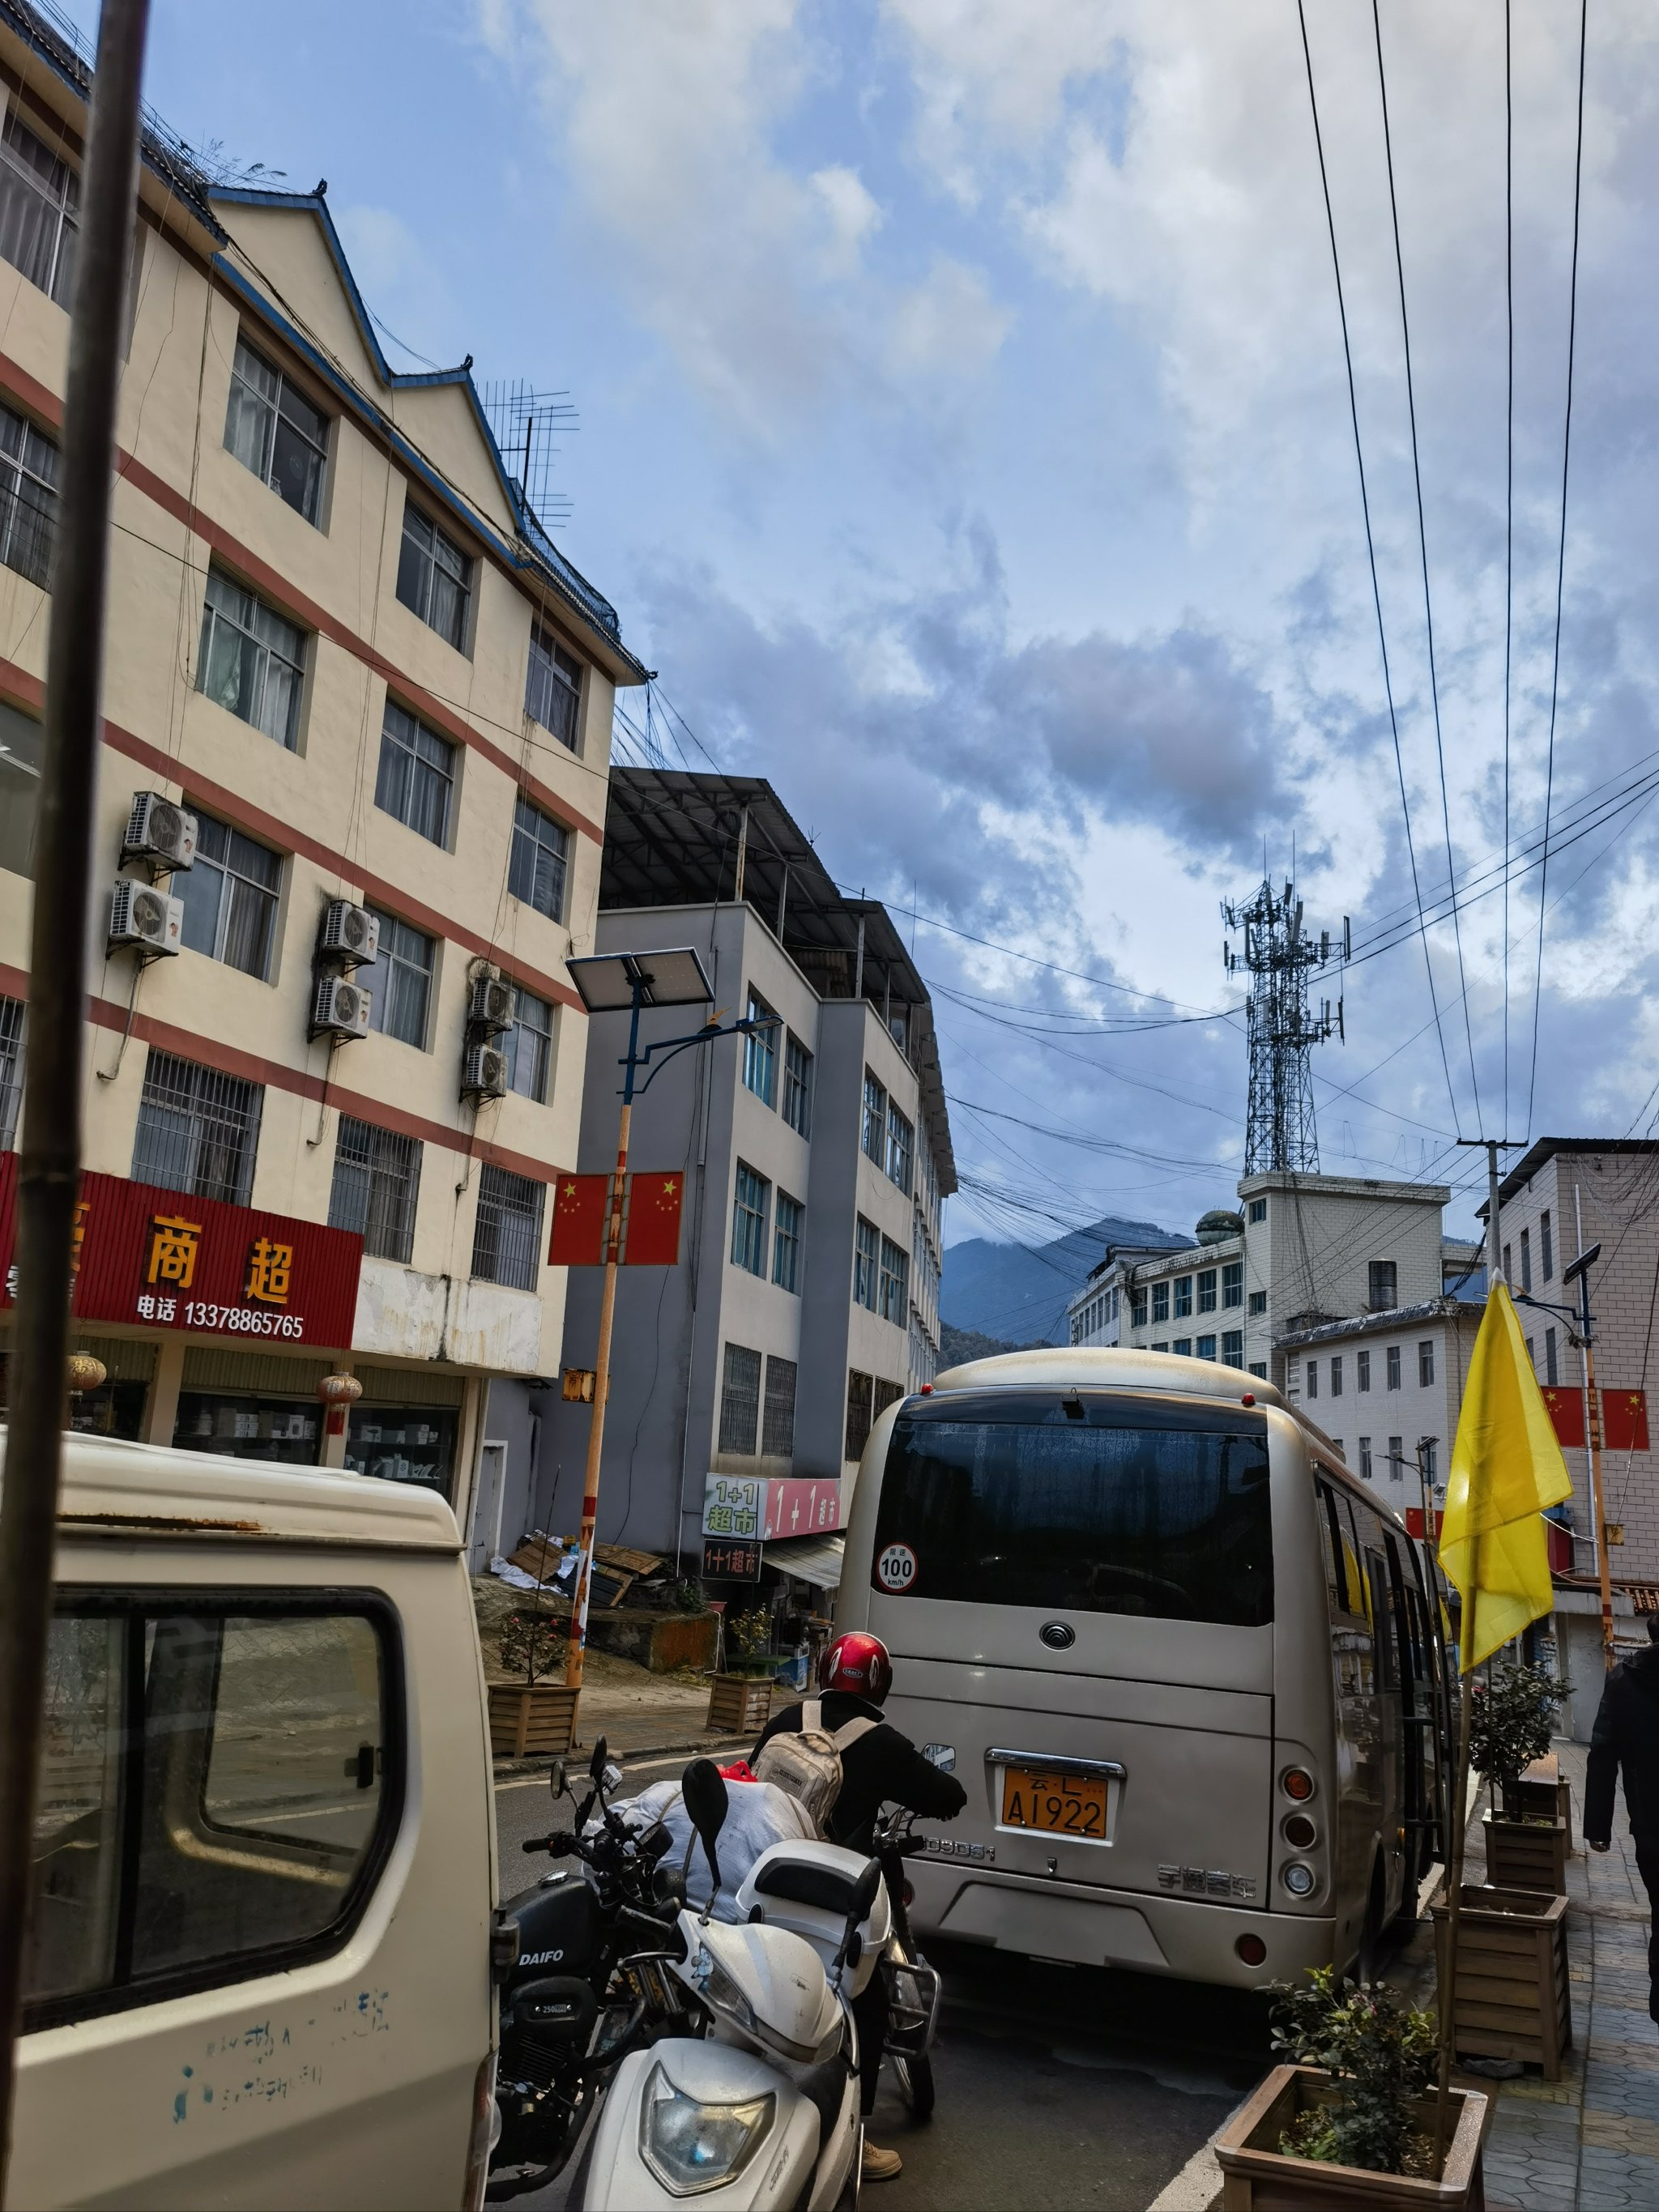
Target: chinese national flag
{"type": "Point", "coordinates": [653, 1220]}
{"type": "Point", "coordinates": [579, 1205]}
{"type": "Point", "coordinates": [1625, 1421]}
{"type": "Point", "coordinates": [1566, 1413]}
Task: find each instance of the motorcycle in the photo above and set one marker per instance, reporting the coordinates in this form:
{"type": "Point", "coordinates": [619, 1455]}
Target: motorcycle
{"type": "Point", "coordinates": [913, 1986]}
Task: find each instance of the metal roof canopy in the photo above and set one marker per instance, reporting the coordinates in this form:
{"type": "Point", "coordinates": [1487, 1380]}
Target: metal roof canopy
{"type": "Point", "coordinates": [671, 839]}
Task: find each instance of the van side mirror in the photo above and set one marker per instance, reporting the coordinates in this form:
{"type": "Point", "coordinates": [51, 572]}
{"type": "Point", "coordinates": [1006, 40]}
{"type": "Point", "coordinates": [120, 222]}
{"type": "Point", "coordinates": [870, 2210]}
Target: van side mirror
{"type": "Point", "coordinates": [703, 1790]}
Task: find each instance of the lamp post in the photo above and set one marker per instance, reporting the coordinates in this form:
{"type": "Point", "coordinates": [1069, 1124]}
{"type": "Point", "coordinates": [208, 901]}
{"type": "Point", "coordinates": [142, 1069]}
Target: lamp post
{"type": "Point", "coordinates": [1584, 1335]}
{"type": "Point", "coordinates": [608, 983]}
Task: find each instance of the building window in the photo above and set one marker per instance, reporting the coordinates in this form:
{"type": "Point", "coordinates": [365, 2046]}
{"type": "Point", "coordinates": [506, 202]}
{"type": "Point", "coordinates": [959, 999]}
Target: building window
{"type": "Point", "coordinates": [1362, 1361]}
{"type": "Point", "coordinates": [1547, 1240]}
{"type": "Point", "coordinates": [1137, 1309]}
{"type": "Point", "coordinates": [1384, 1284]}
{"type": "Point", "coordinates": [1258, 1209]}
{"type": "Point", "coordinates": [1183, 1345]}
{"type": "Point", "coordinates": [1364, 1459]}
{"type": "Point", "coordinates": [416, 778]}
{"type": "Point", "coordinates": [400, 983]}
{"type": "Point", "coordinates": [1430, 1448]}
{"type": "Point", "coordinates": [1206, 1291]}
{"type": "Point", "coordinates": [749, 1220]}
{"type": "Point", "coordinates": [229, 898]}
{"type": "Point", "coordinates": [1509, 1271]}
{"type": "Point", "coordinates": [434, 577]}
{"type": "Point", "coordinates": [1392, 1356]}
{"type": "Point", "coordinates": [28, 498]}
{"type": "Point", "coordinates": [866, 1253]}
{"type": "Point", "coordinates": [875, 1120]}
{"type": "Point", "coordinates": [1396, 1460]}
{"type": "Point", "coordinates": [252, 660]}
{"type": "Point", "coordinates": [275, 432]}
{"type": "Point", "coordinates": [778, 1413]}
{"type": "Point", "coordinates": [1336, 1377]}
{"type": "Point", "coordinates": [11, 1069]}
{"type": "Point", "coordinates": [785, 1243]}
{"type": "Point", "coordinates": [1160, 1302]}
{"type": "Point", "coordinates": [1532, 1355]}
{"type": "Point", "coordinates": [1550, 1374]}
{"type": "Point", "coordinates": [1232, 1283]}
{"type": "Point", "coordinates": [901, 1148]}
{"type": "Point", "coordinates": [895, 1283]}
{"type": "Point", "coordinates": [553, 687]}
{"type": "Point", "coordinates": [377, 1181]}
{"type": "Point", "coordinates": [1526, 1259]}
{"type": "Point", "coordinates": [1207, 1347]}
{"type": "Point", "coordinates": [507, 1237]}
{"type": "Point", "coordinates": [1183, 1297]}
{"type": "Point", "coordinates": [798, 1087]}
{"type": "Point", "coordinates": [1313, 1378]}
{"type": "Point", "coordinates": [1232, 1346]}
{"type": "Point", "coordinates": [1259, 1368]}
{"type": "Point", "coordinates": [760, 1054]}
{"type": "Point", "coordinates": [541, 859]}
{"type": "Point", "coordinates": [860, 1412]}
{"type": "Point", "coordinates": [740, 1393]}
{"type": "Point", "coordinates": [1158, 1347]}
{"type": "Point", "coordinates": [40, 210]}
{"type": "Point", "coordinates": [197, 1130]}
{"type": "Point", "coordinates": [20, 738]}
{"type": "Point", "coordinates": [529, 1046]}
{"type": "Point", "coordinates": [1425, 1362]}
{"type": "Point", "coordinates": [1258, 1303]}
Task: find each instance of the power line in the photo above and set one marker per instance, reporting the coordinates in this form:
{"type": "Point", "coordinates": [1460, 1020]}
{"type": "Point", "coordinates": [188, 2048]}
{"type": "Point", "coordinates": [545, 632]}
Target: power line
{"type": "Point", "coordinates": [1423, 547]}
{"type": "Point", "coordinates": [1561, 554]}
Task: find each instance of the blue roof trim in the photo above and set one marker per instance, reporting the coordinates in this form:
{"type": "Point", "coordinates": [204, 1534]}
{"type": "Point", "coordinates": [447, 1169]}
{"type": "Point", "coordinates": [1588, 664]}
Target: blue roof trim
{"type": "Point", "coordinates": [537, 555]}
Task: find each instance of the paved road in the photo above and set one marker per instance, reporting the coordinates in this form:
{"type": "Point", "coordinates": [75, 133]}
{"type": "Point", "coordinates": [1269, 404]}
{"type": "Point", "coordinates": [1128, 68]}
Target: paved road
{"type": "Point", "coordinates": [1057, 2087]}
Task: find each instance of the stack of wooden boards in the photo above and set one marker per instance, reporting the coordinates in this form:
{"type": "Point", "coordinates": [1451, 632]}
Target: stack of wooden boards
{"type": "Point", "coordinates": [617, 1568]}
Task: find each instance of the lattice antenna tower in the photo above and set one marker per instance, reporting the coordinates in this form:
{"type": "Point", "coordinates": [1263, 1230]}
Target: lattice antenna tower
{"type": "Point", "coordinates": [1281, 958]}
{"type": "Point", "coordinates": [527, 425]}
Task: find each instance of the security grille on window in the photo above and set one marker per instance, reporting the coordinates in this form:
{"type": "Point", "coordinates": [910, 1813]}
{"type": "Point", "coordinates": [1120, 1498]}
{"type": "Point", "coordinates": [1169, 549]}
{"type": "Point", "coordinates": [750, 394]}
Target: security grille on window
{"type": "Point", "coordinates": [507, 1235]}
{"type": "Point", "coordinates": [11, 1069]}
{"type": "Point", "coordinates": [1383, 1277]}
{"type": "Point", "coordinates": [875, 1120]}
{"type": "Point", "coordinates": [40, 210]}
{"type": "Point", "coordinates": [778, 1415]}
{"type": "Point", "coordinates": [229, 898]}
{"type": "Point", "coordinates": [377, 1181]}
{"type": "Point", "coordinates": [1160, 1302]}
{"type": "Point", "coordinates": [197, 1130]}
{"type": "Point", "coordinates": [867, 1258]}
{"type": "Point", "coordinates": [785, 1243]}
{"type": "Point", "coordinates": [901, 1148]}
{"type": "Point", "coordinates": [798, 1087]}
{"type": "Point", "coordinates": [529, 1046]}
{"type": "Point", "coordinates": [1232, 1346]}
{"type": "Point", "coordinates": [553, 687]}
{"type": "Point", "coordinates": [1392, 1358]}
{"type": "Point", "coordinates": [895, 1283]}
{"type": "Point", "coordinates": [1362, 1361]}
{"type": "Point", "coordinates": [1206, 1291]}
{"type": "Point", "coordinates": [860, 1412]}
{"type": "Point", "coordinates": [760, 1052]}
{"type": "Point", "coordinates": [1232, 1283]}
{"type": "Point", "coordinates": [540, 861]}
{"type": "Point", "coordinates": [274, 430]}
{"type": "Point", "coordinates": [434, 577]}
{"type": "Point", "coordinates": [416, 783]}
{"type": "Point", "coordinates": [749, 1198]}
{"type": "Point", "coordinates": [740, 1392]}
{"type": "Point", "coordinates": [400, 983]}
{"type": "Point", "coordinates": [1425, 1362]}
{"type": "Point", "coordinates": [1183, 1297]}
{"type": "Point", "coordinates": [252, 660]}
{"type": "Point", "coordinates": [28, 498]}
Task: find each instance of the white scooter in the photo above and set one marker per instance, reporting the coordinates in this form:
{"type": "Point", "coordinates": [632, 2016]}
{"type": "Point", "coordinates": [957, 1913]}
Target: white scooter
{"type": "Point", "coordinates": [761, 2110]}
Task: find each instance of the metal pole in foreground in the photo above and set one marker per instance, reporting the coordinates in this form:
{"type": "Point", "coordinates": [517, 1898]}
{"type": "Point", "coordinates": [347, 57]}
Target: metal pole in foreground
{"type": "Point", "coordinates": [49, 1168]}
{"type": "Point", "coordinates": [1580, 1268]}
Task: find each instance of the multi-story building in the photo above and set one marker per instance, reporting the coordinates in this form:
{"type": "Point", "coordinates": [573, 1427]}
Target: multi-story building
{"type": "Point", "coordinates": [1388, 1389]}
{"type": "Point", "coordinates": [816, 1156]}
{"type": "Point", "coordinates": [352, 694]}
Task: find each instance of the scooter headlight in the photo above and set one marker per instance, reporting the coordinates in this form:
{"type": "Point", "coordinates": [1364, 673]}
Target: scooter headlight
{"type": "Point", "coordinates": [691, 2146]}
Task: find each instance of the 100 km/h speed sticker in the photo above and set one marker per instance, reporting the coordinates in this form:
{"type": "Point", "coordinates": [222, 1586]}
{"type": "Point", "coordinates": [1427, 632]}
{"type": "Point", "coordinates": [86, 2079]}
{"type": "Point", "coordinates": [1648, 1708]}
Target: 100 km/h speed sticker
{"type": "Point", "coordinates": [896, 1568]}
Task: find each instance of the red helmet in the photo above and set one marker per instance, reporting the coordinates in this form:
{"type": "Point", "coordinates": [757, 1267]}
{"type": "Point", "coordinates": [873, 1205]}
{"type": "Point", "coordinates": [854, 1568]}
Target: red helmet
{"type": "Point", "coordinates": [858, 1663]}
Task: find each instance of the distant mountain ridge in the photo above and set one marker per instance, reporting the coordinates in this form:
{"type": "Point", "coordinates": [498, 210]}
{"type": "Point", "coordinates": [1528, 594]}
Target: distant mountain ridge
{"type": "Point", "coordinates": [1018, 1294]}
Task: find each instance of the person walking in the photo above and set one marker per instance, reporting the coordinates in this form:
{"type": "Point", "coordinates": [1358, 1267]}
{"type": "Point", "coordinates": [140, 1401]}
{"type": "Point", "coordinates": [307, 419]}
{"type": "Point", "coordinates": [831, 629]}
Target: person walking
{"type": "Point", "coordinates": [1625, 1742]}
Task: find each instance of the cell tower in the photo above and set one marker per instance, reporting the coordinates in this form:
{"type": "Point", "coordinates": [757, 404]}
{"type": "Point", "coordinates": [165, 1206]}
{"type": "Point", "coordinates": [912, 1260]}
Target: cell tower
{"type": "Point", "coordinates": [1281, 958]}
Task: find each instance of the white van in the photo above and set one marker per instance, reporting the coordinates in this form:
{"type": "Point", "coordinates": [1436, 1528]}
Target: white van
{"type": "Point", "coordinates": [258, 1973]}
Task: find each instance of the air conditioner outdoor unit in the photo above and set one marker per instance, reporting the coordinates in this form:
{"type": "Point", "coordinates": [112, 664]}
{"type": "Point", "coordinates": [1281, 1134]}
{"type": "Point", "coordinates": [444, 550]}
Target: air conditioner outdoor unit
{"type": "Point", "coordinates": [340, 1008]}
{"type": "Point", "coordinates": [489, 1010]}
{"type": "Point", "coordinates": [141, 916]}
{"type": "Point", "coordinates": [483, 1072]}
{"type": "Point", "coordinates": [161, 831]}
{"type": "Point", "coordinates": [350, 934]}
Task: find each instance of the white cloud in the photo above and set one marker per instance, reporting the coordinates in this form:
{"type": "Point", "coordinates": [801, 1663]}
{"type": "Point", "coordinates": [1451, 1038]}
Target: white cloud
{"type": "Point", "coordinates": [948, 325]}
{"type": "Point", "coordinates": [852, 215]}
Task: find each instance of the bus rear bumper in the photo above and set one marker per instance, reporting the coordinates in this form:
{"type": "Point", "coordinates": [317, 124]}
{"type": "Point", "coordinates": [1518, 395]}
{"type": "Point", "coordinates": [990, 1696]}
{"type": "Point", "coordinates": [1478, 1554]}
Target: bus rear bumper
{"type": "Point", "coordinates": [1184, 1937]}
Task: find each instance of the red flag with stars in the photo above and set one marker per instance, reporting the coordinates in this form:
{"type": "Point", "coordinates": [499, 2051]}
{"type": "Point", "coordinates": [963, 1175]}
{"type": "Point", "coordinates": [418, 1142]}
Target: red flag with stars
{"type": "Point", "coordinates": [653, 1220]}
{"type": "Point", "coordinates": [1566, 1411]}
{"type": "Point", "coordinates": [1625, 1421]}
{"type": "Point", "coordinates": [580, 1206]}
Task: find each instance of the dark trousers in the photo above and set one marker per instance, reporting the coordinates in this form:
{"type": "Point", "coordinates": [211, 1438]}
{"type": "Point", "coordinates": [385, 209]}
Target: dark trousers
{"type": "Point", "coordinates": [870, 2018]}
{"type": "Point", "coordinates": [1647, 1865]}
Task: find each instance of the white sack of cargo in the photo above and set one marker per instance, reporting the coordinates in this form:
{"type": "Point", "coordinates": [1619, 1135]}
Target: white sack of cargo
{"type": "Point", "coordinates": [758, 1815]}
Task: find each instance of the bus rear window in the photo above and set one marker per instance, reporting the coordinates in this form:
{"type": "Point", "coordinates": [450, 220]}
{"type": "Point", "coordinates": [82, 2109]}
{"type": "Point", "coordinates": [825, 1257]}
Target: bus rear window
{"type": "Point", "coordinates": [1085, 1505]}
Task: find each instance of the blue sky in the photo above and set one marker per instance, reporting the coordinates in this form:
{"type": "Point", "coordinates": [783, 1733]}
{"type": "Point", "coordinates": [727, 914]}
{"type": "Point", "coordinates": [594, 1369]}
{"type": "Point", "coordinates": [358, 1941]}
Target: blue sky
{"type": "Point", "coordinates": [964, 437]}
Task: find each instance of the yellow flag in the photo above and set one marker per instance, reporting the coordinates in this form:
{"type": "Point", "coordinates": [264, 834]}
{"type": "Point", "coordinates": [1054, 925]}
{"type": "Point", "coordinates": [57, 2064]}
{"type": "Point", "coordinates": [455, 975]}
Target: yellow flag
{"type": "Point", "coordinates": [1506, 1468]}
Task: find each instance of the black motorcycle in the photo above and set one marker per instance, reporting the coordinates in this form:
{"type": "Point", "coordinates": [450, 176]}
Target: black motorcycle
{"type": "Point", "coordinates": [913, 1987]}
{"type": "Point", "coordinates": [586, 1985]}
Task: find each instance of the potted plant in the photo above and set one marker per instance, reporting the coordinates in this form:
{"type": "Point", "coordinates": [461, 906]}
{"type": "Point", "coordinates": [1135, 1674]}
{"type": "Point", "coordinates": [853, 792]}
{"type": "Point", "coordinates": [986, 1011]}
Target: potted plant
{"type": "Point", "coordinates": [530, 1716]}
{"type": "Point", "coordinates": [1350, 2118]}
{"type": "Point", "coordinates": [1510, 1719]}
{"type": "Point", "coordinates": [740, 1696]}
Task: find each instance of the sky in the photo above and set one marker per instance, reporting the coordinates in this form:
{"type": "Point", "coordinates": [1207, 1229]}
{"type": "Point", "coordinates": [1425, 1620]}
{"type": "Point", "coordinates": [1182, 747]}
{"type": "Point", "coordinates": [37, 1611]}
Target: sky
{"type": "Point", "coordinates": [965, 439]}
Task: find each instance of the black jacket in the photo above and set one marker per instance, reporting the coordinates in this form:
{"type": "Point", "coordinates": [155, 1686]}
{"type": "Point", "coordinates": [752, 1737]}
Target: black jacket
{"type": "Point", "coordinates": [882, 1768]}
{"type": "Point", "coordinates": [1626, 1739]}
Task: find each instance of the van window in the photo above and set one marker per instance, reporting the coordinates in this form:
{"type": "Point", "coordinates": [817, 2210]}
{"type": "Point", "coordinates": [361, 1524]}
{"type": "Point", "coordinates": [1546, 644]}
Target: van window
{"type": "Point", "coordinates": [220, 1781]}
{"type": "Point", "coordinates": [1079, 1503]}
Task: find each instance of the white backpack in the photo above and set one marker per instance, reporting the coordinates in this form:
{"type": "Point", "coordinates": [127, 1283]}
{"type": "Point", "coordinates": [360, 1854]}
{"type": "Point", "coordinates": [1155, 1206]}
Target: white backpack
{"type": "Point", "coordinates": [805, 1764]}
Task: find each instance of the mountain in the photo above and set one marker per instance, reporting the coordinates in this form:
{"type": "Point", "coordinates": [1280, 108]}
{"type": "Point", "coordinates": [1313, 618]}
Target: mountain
{"type": "Point", "coordinates": [958, 1345]}
{"type": "Point", "coordinates": [1018, 1293]}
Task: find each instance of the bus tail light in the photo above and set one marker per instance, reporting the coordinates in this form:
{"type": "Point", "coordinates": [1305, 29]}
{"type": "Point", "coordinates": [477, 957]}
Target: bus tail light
{"type": "Point", "coordinates": [1297, 1782]}
{"type": "Point", "coordinates": [1298, 1879]}
{"type": "Point", "coordinates": [1251, 1949]}
{"type": "Point", "coordinates": [1299, 1832]}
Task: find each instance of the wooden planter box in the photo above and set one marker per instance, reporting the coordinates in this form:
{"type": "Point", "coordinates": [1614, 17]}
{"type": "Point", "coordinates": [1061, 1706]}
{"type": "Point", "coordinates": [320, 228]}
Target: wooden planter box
{"type": "Point", "coordinates": [1543, 1792]}
{"type": "Point", "coordinates": [739, 1703]}
{"type": "Point", "coordinates": [533, 1721]}
{"type": "Point", "coordinates": [1526, 1853]}
{"type": "Point", "coordinates": [1513, 1994]}
{"type": "Point", "coordinates": [1257, 2177]}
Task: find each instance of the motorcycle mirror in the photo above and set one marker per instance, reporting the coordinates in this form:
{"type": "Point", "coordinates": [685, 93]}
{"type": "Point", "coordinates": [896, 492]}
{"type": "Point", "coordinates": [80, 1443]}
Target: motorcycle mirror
{"type": "Point", "coordinates": [703, 1790]}
{"type": "Point", "coordinates": [858, 1909]}
{"type": "Point", "coordinates": [557, 1780]}
{"type": "Point", "coordinates": [596, 1765]}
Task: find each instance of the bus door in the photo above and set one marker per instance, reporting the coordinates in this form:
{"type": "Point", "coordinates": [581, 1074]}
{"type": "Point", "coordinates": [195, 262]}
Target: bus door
{"type": "Point", "coordinates": [1358, 1741]}
{"type": "Point", "coordinates": [1418, 1808]}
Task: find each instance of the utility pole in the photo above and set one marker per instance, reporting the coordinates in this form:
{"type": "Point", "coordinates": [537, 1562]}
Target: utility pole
{"type": "Point", "coordinates": [49, 1166]}
{"type": "Point", "coordinates": [1579, 1271]}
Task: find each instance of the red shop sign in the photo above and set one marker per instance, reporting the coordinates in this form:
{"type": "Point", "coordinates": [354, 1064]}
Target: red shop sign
{"type": "Point", "coordinates": [164, 1261]}
{"type": "Point", "coordinates": [794, 1507]}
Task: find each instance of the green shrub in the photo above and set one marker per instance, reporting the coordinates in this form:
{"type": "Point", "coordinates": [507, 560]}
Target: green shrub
{"type": "Point", "coordinates": [1379, 2055]}
{"type": "Point", "coordinates": [1510, 1721]}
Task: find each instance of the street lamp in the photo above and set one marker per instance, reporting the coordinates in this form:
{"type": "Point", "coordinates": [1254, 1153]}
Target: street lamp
{"type": "Point", "coordinates": [1577, 1271]}
{"type": "Point", "coordinates": [611, 983]}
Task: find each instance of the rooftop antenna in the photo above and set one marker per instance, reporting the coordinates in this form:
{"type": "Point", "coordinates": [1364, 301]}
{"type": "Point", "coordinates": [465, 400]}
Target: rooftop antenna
{"type": "Point", "coordinates": [525, 424]}
{"type": "Point", "coordinates": [1280, 1131]}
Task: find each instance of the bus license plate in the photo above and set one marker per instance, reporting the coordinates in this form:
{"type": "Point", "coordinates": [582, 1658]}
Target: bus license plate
{"type": "Point", "coordinates": [1060, 1804]}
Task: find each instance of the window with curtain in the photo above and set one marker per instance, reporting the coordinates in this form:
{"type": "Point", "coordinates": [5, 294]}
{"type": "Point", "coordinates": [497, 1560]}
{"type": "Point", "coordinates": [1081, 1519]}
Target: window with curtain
{"type": "Point", "coordinates": [540, 861]}
{"type": "Point", "coordinates": [401, 982]}
{"type": "Point", "coordinates": [415, 782]}
{"type": "Point", "coordinates": [230, 897]}
{"type": "Point", "coordinates": [895, 1283]}
{"type": "Point", "coordinates": [21, 740]}
{"type": "Point", "coordinates": [434, 577]}
{"type": "Point", "coordinates": [40, 210]}
{"type": "Point", "coordinates": [875, 1120]}
{"type": "Point", "coordinates": [28, 497]}
{"type": "Point", "coordinates": [760, 1052]}
{"type": "Point", "coordinates": [798, 1087]}
{"type": "Point", "coordinates": [197, 1129]}
{"type": "Point", "coordinates": [867, 1265]}
{"type": "Point", "coordinates": [749, 1220]}
{"type": "Point", "coordinates": [529, 1046]}
{"type": "Point", "coordinates": [901, 1148]}
{"type": "Point", "coordinates": [785, 1243]}
{"type": "Point", "coordinates": [252, 660]}
{"type": "Point", "coordinates": [553, 686]}
{"type": "Point", "coordinates": [273, 429]}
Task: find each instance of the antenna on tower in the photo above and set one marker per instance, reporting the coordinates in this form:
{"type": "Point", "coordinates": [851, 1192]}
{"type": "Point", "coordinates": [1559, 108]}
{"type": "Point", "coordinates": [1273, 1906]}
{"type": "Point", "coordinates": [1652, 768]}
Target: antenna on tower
{"type": "Point", "coordinates": [1280, 1131]}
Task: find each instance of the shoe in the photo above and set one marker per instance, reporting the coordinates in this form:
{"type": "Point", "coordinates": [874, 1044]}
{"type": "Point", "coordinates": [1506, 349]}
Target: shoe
{"type": "Point", "coordinates": [881, 2165]}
